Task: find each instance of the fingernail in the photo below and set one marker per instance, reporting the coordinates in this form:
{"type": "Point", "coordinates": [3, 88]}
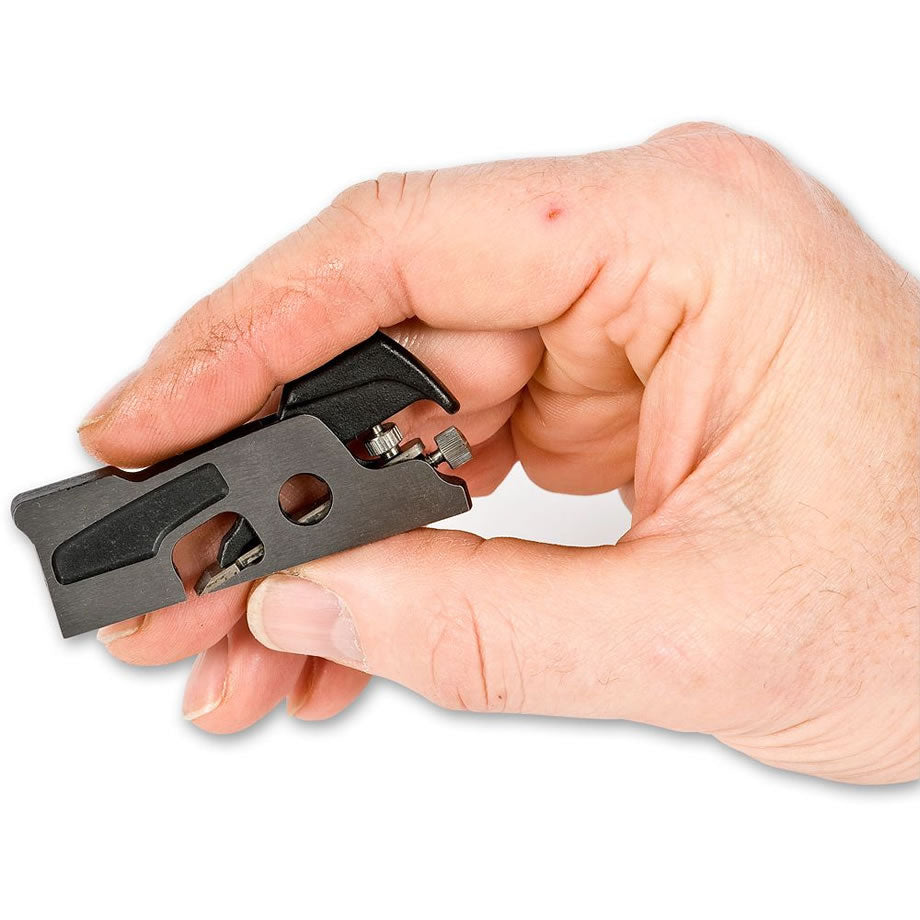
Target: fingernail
{"type": "Point", "coordinates": [106, 404]}
{"type": "Point", "coordinates": [207, 682]}
{"type": "Point", "coordinates": [108, 634]}
{"type": "Point", "coordinates": [294, 614]}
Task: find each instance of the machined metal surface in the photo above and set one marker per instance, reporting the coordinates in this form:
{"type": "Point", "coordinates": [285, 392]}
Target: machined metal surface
{"type": "Point", "coordinates": [368, 502]}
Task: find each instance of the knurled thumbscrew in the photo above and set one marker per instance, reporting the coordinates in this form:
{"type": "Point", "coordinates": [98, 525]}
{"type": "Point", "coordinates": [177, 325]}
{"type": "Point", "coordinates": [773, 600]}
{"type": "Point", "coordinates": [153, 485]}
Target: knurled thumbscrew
{"type": "Point", "coordinates": [452, 449]}
{"type": "Point", "coordinates": [384, 442]}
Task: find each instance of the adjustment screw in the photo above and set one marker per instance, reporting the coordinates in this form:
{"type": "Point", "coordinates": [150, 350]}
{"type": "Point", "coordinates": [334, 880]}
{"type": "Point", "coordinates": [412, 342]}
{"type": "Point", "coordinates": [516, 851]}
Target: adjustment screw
{"type": "Point", "coordinates": [384, 440]}
{"type": "Point", "coordinates": [453, 449]}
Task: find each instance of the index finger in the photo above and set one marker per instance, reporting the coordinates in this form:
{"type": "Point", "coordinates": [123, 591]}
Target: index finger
{"type": "Point", "coordinates": [503, 247]}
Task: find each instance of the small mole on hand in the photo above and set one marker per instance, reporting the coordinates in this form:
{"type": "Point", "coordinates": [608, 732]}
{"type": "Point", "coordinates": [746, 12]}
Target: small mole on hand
{"type": "Point", "coordinates": [553, 213]}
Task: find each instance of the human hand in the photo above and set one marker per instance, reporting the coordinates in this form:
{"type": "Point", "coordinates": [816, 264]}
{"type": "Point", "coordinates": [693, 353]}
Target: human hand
{"type": "Point", "coordinates": [693, 321]}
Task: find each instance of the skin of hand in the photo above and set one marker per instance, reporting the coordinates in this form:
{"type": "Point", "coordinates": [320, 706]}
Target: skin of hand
{"type": "Point", "coordinates": [693, 321]}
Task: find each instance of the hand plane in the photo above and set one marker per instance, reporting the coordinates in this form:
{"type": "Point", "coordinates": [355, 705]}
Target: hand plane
{"type": "Point", "coordinates": [106, 539]}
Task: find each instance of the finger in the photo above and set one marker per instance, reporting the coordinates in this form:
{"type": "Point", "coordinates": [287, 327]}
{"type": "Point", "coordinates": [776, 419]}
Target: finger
{"type": "Point", "coordinates": [176, 632]}
{"type": "Point", "coordinates": [324, 688]}
{"type": "Point", "coordinates": [193, 413]}
{"type": "Point", "coordinates": [576, 428]}
{"type": "Point", "coordinates": [513, 626]}
{"type": "Point", "coordinates": [628, 495]}
{"type": "Point", "coordinates": [237, 681]}
{"type": "Point", "coordinates": [484, 369]}
{"type": "Point", "coordinates": [190, 626]}
{"type": "Point", "coordinates": [580, 445]}
{"type": "Point", "coordinates": [506, 247]}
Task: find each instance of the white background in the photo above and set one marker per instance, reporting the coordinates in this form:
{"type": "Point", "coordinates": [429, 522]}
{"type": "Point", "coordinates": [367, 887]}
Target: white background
{"type": "Point", "coordinates": [148, 151]}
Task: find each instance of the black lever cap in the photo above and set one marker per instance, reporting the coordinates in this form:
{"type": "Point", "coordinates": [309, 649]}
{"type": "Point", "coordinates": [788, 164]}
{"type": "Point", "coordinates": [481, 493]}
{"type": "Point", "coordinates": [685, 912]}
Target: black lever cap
{"type": "Point", "coordinates": [363, 387]}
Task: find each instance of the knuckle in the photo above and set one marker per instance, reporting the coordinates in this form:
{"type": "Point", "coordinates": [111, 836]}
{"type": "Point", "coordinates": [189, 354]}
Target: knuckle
{"type": "Point", "coordinates": [463, 673]}
{"type": "Point", "coordinates": [392, 188]}
{"type": "Point", "coordinates": [358, 206]}
{"type": "Point", "coordinates": [457, 667]}
{"type": "Point", "coordinates": [404, 192]}
{"type": "Point", "coordinates": [690, 127]}
{"type": "Point", "coordinates": [358, 197]}
{"type": "Point", "coordinates": [728, 156]}
{"type": "Point", "coordinates": [474, 660]}
{"type": "Point", "coordinates": [391, 198]}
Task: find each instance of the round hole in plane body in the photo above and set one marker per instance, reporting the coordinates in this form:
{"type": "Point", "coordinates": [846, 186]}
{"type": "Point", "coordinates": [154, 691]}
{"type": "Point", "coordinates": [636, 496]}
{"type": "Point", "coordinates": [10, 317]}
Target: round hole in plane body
{"type": "Point", "coordinates": [305, 499]}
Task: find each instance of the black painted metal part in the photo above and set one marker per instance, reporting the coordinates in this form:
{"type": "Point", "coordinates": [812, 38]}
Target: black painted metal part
{"type": "Point", "coordinates": [105, 539]}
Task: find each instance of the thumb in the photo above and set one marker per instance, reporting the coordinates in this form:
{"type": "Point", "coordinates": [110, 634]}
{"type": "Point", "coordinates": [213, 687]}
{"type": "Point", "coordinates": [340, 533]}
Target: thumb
{"type": "Point", "coordinates": [502, 624]}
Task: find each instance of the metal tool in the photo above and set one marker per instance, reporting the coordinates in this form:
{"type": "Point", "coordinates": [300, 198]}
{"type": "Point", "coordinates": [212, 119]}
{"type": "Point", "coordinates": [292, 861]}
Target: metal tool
{"type": "Point", "coordinates": [106, 539]}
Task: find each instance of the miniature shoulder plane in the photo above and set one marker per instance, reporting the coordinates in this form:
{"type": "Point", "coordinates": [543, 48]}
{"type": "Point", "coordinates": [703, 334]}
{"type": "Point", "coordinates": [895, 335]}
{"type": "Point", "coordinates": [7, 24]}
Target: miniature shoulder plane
{"type": "Point", "coordinates": [106, 539]}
